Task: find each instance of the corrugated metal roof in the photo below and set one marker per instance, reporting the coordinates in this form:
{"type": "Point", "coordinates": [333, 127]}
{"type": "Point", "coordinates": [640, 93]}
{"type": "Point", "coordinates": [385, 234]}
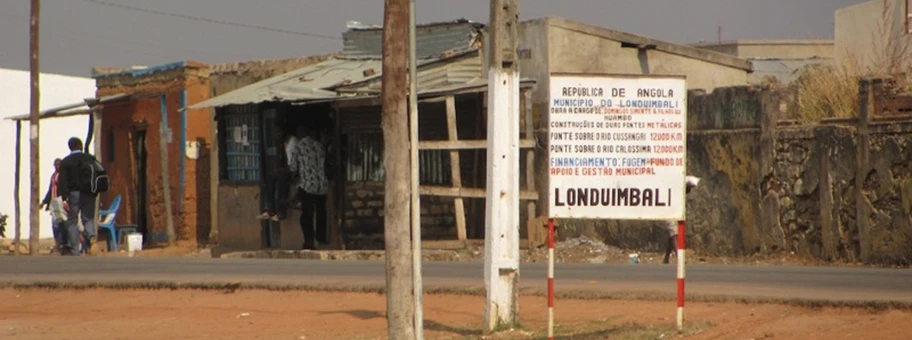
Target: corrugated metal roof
{"type": "Point", "coordinates": [784, 70]}
{"type": "Point", "coordinates": [432, 40]}
{"type": "Point", "coordinates": [319, 81]}
{"type": "Point", "coordinates": [434, 73]}
{"type": "Point", "coordinates": [305, 83]}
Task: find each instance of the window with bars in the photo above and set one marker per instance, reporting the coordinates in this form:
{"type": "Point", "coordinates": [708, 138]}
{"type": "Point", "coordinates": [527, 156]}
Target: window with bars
{"type": "Point", "coordinates": [364, 161]}
{"type": "Point", "coordinates": [242, 135]}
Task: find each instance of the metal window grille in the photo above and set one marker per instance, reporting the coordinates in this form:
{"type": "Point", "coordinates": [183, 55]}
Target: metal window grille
{"type": "Point", "coordinates": [364, 161]}
{"type": "Point", "coordinates": [242, 141]}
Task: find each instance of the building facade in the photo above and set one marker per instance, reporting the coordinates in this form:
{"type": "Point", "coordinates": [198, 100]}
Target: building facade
{"type": "Point", "coordinates": [151, 141]}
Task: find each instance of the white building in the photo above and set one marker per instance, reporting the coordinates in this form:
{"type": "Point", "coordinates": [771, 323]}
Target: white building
{"type": "Point", "coordinates": [56, 91]}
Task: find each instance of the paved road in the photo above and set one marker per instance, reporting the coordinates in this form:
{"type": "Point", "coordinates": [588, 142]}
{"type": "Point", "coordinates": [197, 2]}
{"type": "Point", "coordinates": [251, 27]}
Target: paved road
{"type": "Point", "coordinates": [843, 284]}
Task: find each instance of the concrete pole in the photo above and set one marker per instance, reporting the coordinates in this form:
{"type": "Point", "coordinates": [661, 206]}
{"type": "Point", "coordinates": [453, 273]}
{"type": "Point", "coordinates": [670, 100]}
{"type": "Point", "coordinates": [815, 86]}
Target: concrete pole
{"type": "Point", "coordinates": [34, 226]}
{"type": "Point", "coordinates": [400, 313]}
{"type": "Point", "coordinates": [415, 194]}
{"type": "Point", "coordinates": [501, 269]}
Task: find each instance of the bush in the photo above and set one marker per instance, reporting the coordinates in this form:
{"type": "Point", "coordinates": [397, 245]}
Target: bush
{"type": "Point", "coordinates": [3, 225]}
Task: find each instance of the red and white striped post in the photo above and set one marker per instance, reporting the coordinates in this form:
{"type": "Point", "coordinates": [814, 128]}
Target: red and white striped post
{"type": "Point", "coordinates": [550, 279]}
{"type": "Point", "coordinates": [681, 225]}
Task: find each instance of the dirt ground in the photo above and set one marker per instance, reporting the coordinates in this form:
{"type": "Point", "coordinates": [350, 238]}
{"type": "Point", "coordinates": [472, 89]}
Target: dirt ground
{"type": "Point", "coordinates": [184, 314]}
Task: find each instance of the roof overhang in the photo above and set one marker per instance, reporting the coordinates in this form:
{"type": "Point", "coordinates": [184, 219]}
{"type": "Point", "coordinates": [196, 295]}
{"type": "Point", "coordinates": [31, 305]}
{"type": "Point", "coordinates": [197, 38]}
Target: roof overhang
{"type": "Point", "coordinates": [75, 109]}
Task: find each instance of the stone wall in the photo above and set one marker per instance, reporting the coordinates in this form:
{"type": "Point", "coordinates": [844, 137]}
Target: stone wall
{"type": "Point", "coordinates": [836, 190]}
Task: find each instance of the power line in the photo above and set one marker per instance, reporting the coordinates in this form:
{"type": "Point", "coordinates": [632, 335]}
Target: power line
{"type": "Point", "coordinates": [212, 21]}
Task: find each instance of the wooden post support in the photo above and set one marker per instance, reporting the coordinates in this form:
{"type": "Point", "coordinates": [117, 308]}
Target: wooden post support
{"type": "Point", "coordinates": [214, 168]}
{"type": "Point", "coordinates": [34, 70]}
{"type": "Point", "coordinates": [166, 179]}
{"type": "Point", "coordinates": [17, 215]}
{"type": "Point", "coordinates": [526, 100]}
{"type": "Point", "coordinates": [400, 311]}
{"type": "Point", "coordinates": [455, 171]}
{"type": "Point", "coordinates": [501, 266]}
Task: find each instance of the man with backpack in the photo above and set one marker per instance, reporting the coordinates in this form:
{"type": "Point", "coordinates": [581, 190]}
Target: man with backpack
{"type": "Point", "coordinates": [81, 179]}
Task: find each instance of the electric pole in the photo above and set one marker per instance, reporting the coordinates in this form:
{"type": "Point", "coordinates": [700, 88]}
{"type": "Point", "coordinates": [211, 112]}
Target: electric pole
{"type": "Point", "coordinates": [34, 230]}
{"type": "Point", "coordinates": [501, 269]}
{"type": "Point", "coordinates": [400, 311]}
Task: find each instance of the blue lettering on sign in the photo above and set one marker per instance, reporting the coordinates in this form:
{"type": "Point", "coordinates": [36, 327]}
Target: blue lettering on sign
{"type": "Point", "coordinates": [573, 102]}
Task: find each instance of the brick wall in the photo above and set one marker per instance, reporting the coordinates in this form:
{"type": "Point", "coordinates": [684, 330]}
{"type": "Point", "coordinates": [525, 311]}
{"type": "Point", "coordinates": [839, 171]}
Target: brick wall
{"type": "Point", "coordinates": [363, 212]}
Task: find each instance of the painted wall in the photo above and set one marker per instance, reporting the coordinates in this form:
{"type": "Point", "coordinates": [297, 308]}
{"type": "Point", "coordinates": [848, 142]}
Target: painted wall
{"type": "Point", "coordinates": [56, 91]}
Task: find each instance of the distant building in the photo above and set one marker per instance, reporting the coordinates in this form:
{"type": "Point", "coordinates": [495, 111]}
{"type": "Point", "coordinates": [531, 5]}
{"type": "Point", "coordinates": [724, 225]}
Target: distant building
{"type": "Point", "coordinates": [772, 48]}
{"type": "Point", "coordinates": [874, 35]}
{"type": "Point", "coordinates": [558, 45]}
{"type": "Point", "coordinates": [775, 60]}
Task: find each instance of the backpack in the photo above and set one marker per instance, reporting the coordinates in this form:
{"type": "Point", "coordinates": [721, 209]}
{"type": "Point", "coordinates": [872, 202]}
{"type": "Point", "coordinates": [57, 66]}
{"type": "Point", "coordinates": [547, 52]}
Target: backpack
{"type": "Point", "coordinates": [97, 175]}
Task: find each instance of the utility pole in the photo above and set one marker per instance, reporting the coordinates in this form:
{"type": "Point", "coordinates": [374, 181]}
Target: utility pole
{"type": "Point", "coordinates": [34, 109]}
{"type": "Point", "coordinates": [400, 311]}
{"type": "Point", "coordinates": [501, 269]}
{"type": "Point", "coordinates": [414, 180]}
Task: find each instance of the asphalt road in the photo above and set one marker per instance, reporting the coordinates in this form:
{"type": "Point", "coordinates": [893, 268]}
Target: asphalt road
{"type": "Point", "coordinates": [786, 282]}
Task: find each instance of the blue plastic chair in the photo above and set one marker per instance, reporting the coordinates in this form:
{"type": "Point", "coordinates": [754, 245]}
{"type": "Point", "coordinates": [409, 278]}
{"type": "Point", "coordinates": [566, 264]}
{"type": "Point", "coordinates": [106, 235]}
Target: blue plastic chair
{"type": "Point", "coordinates": [106, 221]}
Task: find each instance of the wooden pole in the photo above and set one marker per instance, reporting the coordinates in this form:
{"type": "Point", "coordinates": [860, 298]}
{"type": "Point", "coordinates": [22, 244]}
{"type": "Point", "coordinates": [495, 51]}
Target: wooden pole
{"type": "Point", "coordinates": [34, 226]}
{"type": "Point", "coordinates": [166, 179]}
{"type": "Point", "coordinates": [213, 179]}
{"type": "Point", "coordinates": [414, 180]}
{"type": "Point", "coordinates": [399, 286]}
{"type": "Point", "coordinates": [17, 215]}
{"type": "Point", "coordinates": [530, 153]}
{"type": "Point", "coordinates": [501, 267]}
{"type": "Point", "coordinates": [455, 171]}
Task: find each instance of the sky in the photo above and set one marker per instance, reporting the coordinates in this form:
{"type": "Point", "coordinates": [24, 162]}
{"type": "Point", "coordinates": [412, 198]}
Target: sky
{"type": "Point", "coordinates": [76, 35]}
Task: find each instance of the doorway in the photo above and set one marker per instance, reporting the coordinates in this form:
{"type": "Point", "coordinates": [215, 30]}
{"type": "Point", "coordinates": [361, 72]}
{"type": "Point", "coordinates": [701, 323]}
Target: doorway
{"type": "Point", "coordinates": [139, 141]}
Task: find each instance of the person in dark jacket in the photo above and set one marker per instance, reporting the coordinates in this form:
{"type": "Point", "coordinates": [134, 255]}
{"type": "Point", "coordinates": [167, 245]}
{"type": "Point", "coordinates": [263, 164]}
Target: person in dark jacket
{"type": "Point", "coordinates": [690, 182]}
{"type": "Point", "coordinates": [74, 187]}
{"type": "Point", "coordinates": [56, 226]}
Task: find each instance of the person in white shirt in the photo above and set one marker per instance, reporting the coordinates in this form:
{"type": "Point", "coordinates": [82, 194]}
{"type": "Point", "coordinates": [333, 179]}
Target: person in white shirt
{"type": "Point", "coordinates": [308, 163]}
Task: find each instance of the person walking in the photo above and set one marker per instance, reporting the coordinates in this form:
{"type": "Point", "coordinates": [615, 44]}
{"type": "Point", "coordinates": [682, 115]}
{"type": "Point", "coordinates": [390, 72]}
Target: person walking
{"type": "Point", "coordinates": [308, 161]}
{"type": "Point", "coordinates": [690, 182]}
{"type": "Point", "coordinates": [57, 219]}
{"type": "Point", "coordinates": [74, 185]}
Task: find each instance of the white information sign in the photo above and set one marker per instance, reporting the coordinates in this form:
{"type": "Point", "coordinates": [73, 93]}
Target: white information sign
{"type": "Point", "coordinates": [617, 147]}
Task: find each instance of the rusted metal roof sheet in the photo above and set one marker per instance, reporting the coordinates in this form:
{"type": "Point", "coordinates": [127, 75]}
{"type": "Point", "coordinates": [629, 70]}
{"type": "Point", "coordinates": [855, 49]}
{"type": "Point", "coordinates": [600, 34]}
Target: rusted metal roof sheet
{"type": "Point", "coordinates": [433, 73]}
{"type": "Point", "coordinates": [432, 40]}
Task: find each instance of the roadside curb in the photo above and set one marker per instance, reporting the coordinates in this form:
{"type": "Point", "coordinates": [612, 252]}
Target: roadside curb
{"type": "Point", "coordinates": [473, 290]}
{"type": "Point", "coordinates": [345, 255]}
